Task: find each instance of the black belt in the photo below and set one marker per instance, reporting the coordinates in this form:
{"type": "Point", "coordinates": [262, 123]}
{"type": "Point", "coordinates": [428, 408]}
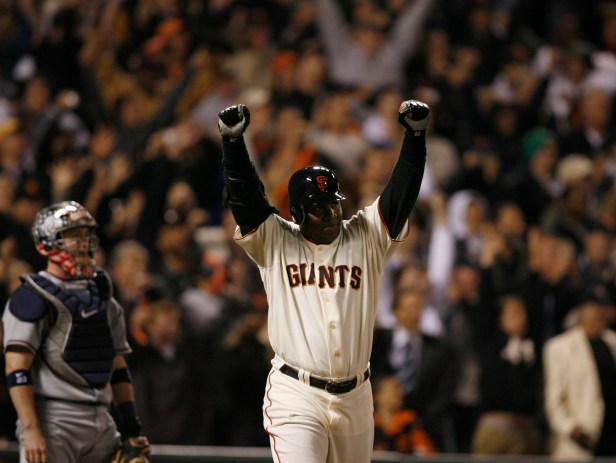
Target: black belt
{"type": "Point", "coordinates": [331, 386]}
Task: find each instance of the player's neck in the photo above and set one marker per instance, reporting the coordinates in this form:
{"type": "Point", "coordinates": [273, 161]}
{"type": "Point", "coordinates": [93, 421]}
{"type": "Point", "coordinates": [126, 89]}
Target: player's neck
{"type": "Point", "coordinates": [57, 271]}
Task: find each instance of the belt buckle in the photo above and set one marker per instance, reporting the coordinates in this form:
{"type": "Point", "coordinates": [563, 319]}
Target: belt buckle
{"type": "Point", "coordinates": [339, 387]}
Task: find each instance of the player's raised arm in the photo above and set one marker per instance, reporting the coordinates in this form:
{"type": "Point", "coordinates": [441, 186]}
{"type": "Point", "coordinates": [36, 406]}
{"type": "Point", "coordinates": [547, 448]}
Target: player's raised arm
{"type": "Point", "coordinates": [400, 193]}
{"type": "Point", "coordinates": [245, 191]}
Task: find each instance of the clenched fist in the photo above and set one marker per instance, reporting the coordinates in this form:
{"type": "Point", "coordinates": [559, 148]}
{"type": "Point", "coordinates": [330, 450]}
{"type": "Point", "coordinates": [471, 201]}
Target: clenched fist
{"type": "Point", "coordinates": [414, 116]}
{"type": "Point", "coordinates": [233, 121]}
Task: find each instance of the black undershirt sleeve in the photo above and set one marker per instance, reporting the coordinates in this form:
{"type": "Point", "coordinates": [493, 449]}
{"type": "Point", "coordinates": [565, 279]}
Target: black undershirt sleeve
{"type": "Point", "coordinates": [400, 193]}
{"type": "Point", "coordinates": [245, 193]}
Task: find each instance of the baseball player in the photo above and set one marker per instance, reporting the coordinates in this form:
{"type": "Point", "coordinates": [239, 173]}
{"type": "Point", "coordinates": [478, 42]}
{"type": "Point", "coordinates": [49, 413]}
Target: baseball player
{"type": "Point", "coordinates": [321, 274]}
{"type": "Point", "coordinates": [64, 345]}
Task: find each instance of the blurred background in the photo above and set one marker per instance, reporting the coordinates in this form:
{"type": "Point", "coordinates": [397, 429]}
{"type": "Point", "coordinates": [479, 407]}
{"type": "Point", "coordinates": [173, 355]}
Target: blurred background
{"type": "Point", "coordinates": [114, 103]}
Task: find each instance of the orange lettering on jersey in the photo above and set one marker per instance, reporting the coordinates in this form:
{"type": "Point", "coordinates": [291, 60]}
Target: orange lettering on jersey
{"type": "Point", "coordinates": [312, 278]}
{"type": "Point", "coordinates": [329, 277]}
{"type": "Point", "coordinates": [326, 274]}
{"type": "Point", "coordinates": [356, 277]}
{"type": "Point", "coordinates": [293, 275]}
{"type": "Point", "coordinates": [302, 268]}
{"type": "Point", "coordinates": [342, 271]}
{"type": "Point", "coordinates": [322, 182]}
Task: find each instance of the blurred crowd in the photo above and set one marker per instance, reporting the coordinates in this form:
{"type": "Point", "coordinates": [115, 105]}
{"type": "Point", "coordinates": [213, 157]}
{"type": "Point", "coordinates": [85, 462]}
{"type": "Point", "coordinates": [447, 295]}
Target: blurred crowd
{"type": "Point", "coordinates": [114, 103]}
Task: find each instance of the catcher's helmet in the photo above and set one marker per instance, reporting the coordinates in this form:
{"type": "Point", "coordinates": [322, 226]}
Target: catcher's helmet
{"type": "Point", "coordinates": [50, 224]}
{"type": "Point", "coordinates": [312, 185]}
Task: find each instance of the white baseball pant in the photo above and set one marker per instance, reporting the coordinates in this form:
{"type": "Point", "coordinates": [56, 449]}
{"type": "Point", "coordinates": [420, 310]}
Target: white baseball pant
{"type": "Point", "coordinates": [309, 425]}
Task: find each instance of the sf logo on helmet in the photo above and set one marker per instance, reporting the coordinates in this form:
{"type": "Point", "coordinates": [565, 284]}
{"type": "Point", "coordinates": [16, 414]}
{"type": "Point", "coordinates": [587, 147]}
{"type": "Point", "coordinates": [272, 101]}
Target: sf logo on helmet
{"type": "Point", "coordinates": [322, 182]}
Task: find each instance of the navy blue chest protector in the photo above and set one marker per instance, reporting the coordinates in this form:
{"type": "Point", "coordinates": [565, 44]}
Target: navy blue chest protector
{"type": "Point", "coordinates": [88, 348]}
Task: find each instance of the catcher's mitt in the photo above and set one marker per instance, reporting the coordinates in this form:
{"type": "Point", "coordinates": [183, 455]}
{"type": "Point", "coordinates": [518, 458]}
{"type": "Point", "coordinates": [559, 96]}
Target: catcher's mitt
{"type": "Point", "coordinates": [133, 450]}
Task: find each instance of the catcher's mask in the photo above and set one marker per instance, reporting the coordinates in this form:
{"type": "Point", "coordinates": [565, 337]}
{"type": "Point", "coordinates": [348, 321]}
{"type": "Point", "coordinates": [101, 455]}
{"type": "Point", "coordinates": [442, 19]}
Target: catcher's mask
{"type": "Point", "coordinates": [76, 255]}
{"type": "Point", "coordinates": [312, 185]}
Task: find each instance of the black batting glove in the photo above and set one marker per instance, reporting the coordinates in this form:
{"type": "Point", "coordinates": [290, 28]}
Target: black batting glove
{"type": "Point", "coordinates": [233, 121]}
{"type": "Point", "coordinates": [414, 116]}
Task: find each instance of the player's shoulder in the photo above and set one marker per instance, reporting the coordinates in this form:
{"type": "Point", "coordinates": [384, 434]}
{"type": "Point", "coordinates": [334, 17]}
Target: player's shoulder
{"type": "Point", "coordinates": [271, 228]}
{"type": "Point", "coordinates": [102, 274]}
{"type": "Point", "coordinates": [27, 304]}
{"type": "Point", "coordinates": [240, 234]}
{"type": "Point", "coordinates": [103, 281]}
{"type": "Point", "coordinates": [364, 216]}
{"type": "Point", "coordinates": [286, 225]}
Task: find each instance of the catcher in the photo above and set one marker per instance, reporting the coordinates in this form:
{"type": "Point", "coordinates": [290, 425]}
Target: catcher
{"type": "Point", "coordinates": [64, 344]}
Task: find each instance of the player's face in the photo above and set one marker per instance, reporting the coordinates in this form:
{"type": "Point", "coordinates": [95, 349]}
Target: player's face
{"type": "Point", "coordinates": [322, 224]}
{"type": "Point", "coordinates": [81, 244]}
{"type": "Point", "coordinates": [77, 241]}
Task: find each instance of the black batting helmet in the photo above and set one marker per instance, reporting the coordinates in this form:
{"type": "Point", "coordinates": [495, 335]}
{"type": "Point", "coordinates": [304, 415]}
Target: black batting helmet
{"type": "Point", "coordinates": [312, 185]}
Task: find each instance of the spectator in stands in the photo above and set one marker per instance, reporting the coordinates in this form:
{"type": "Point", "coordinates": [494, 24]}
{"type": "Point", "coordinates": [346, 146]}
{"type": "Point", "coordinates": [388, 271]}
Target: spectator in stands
{"type": "Point", "coordinates": [580, 379]}
{"type": "Point", "coordinates": [516, 82]}
{"type": "Point", "coordinates": [510, 386]}
{"type": "Point", "coordinates": [14, 160]}
{"type": "Point", "coordinates": [7, 188]}
{"type": "Point", "coordinates": [595, 262]}
{"type": "Point", "coordinates": [481, 172]}
{"type": "Point", "coordinates": [594, 132]}
{"type": "Point", "coordinates": [250, 62]}
{"type": "Point", "coordinates": [568, 75]}
{"type": "Point", "coordinates": [31, 194]}
{"type": "Point", "coordinates": [504, 255]}
{"type": "Point", "coordinates": [41, 114]}
{"type": "Point", "coordinates": [570, 216]}
{"type": "Point", "coordinates": [424, 365]}
{"type": "Point", "coordinates": [396, 428]}
{"type": "Point", "coordinates": [201, 302]}
{"type": "Point", "coordinates": [133, 122]}
{"type": "Point", "coordinates": [309, 79]}
{"type": "Point", "coordinates": [534, 187]}
{"type": "Point", "coordinates": [379, 127]}
{"type": "Point", "coordinates": [373, 55]}
{"type": "Point", "coordinates": [177, 252]}
{"type": "Point", "coordinates": [431, 62]}
{"type": "Point", "coordinates": [467, 213]}
{"type": "Point", "coordinates": [291, 150]}
{"type": "Point", "coordinates": [408, 254]}
{"type": "Point", "coordinates": [176, 398]}
{"type": "Point", "coordinates": [243, 365]}
{"type": "Point", "coordinates": [414, 276]}
{"type": "Point", "coordinates": [551, 291]}
{"type": "Point", "coordinates": [337, 136]}
{"type": "Point", "coordinates": [504, 135]}
{"type": "Point", "coordinates": [130, 273]}
{"type": "Point", "coordinates": [466, 325]}
{"type": "Point", "coordinates": [374, 168]}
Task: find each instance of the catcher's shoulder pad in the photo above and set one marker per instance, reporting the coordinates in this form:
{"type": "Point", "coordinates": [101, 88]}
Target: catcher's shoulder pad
{"type": "Point", "coordinates": [103, 281]}
{"type": "Point", "coordinates": [27, 305]}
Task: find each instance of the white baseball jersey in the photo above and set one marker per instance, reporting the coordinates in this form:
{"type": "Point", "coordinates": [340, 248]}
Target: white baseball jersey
{"type": "Point", "coordinates": [322, 298]}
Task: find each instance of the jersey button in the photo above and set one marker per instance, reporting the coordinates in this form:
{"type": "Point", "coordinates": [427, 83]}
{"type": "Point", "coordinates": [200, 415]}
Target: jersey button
{"type": "Point", "coordinates": [332, 325]}
{"type": "Point", "coordinates": [337, 353]}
